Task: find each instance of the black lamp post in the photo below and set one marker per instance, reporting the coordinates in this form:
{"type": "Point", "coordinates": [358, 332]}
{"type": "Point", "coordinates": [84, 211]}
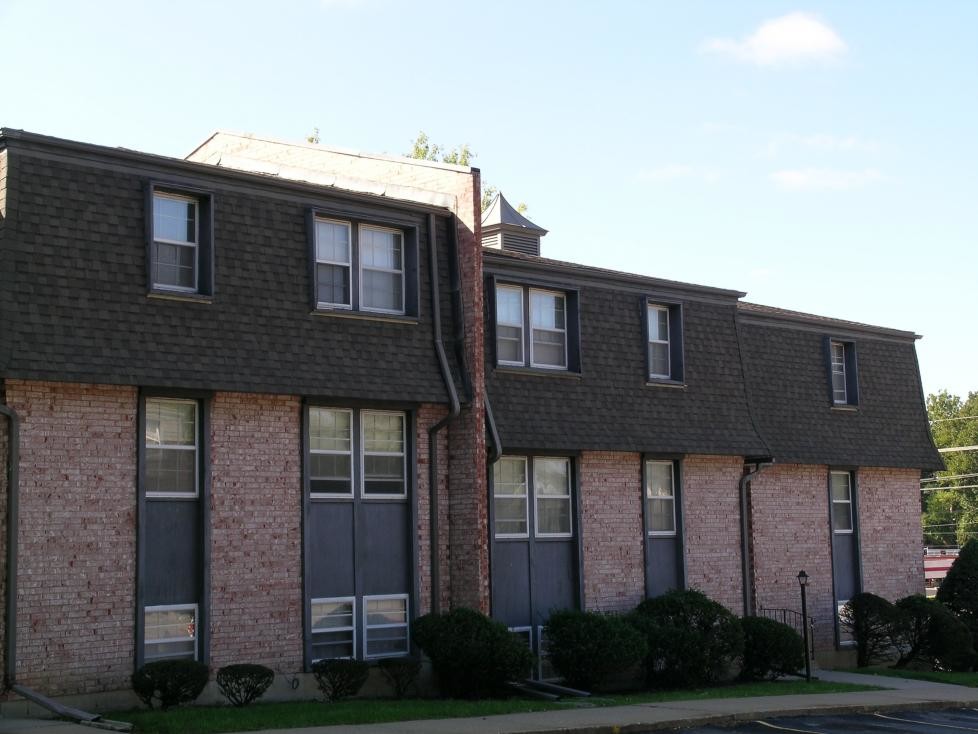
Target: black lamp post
{"type": "Point", "coordinates": [803, 583]}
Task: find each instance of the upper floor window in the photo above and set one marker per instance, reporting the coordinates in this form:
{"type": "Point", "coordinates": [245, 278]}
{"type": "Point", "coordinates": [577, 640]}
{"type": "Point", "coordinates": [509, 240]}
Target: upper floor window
{"type": "Point", "coordinates": [841, 485]}
{"type": "Point", "coordinates": [362, 267]}
{"type": "Point", "coordinates": [535, 327]}
{"type": "Point", "coordinates": [171, 448]}
{"type": "Point", "coordinates": [664, 359]}
{"type": "Point", "coordinates": [179, 251]}
{"type": "Point", "coordinates": [842, 372]}
{"type": "Point", "coordinates": [660, 497]}
{"type": "Point", "coordinates": [542, 484]}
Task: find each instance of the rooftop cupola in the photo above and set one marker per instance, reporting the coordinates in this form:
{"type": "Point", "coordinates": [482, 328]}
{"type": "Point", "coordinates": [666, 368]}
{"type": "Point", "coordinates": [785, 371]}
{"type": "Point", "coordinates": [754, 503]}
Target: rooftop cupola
{"type": "Point", "coordinates": [504, 228]}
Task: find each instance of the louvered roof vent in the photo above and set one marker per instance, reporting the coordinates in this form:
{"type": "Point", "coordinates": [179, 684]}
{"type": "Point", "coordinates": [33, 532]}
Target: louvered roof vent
{"type": "Point", "coordinates": [504, 228]}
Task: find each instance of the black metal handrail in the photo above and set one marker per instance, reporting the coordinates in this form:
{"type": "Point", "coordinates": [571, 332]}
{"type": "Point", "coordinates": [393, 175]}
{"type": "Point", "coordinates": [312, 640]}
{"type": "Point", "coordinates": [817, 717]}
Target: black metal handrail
{"type": "Point", "coordinates": [794, 620]}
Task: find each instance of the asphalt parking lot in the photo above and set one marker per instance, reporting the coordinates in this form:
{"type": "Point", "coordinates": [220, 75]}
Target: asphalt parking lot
{"type": "Point", "coordinates": [906, 722]}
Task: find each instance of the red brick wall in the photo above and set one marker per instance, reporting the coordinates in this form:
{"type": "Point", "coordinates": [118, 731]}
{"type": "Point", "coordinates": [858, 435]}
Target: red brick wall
{"type": "Point", "coordinates": [611, 532]}
{"type": "Point", "coordinates": [427, 416]}
{"type": "Point", "coordinates": [469, 512]}
{"type": "Point", "coordinates": [711, 509]}
{"type": "Point", "coordinates": [790, 533]}
{"type": "Point", "coordinates": [256, 539]}
{"type": "Point", "coordinates": [3, 523]}
{"type": "Point", "coordinates": [77, 535]}
{"type": "Point", "coordinates": [889, 531]}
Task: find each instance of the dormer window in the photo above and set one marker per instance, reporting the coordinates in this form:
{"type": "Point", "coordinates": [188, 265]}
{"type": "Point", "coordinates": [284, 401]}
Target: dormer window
{"type": "Point", "coordinates": [842, 373]}
{"type": "Point", "coordinates": [664, 335]}
{"type": "Point", "coordinates": [536, 328]}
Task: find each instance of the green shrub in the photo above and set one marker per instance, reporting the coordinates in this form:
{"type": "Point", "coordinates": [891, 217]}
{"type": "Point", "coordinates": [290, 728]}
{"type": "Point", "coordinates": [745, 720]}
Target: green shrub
{"type": "Point", "coordinates": [692, 640]}
{"type": "Point", "coordinates": [959, 590]}
{"type": "Point", "coordinates": [400, 674]}
{"type": "Point", "coordinates": [171, 682]}
{"type": "Point", "coordinates": [869, 619]}
{"type": "Point", "coordinates": [771, 649]}
{"type": "Point", "coordinates": [242, 684]}
{"type": "Point", "coordinates": [926, 633]}
{"type": "Point", "coordinates": [471, 655]}
{"type": "Point", "coordinates": [340, 678]}
{"type": "Point", "coordinates": [587, 648]}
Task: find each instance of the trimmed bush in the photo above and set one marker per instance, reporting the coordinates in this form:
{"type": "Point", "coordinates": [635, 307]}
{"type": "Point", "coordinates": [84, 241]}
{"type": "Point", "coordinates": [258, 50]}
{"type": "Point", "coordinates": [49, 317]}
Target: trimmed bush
{"type": "Point", "coordinates": [959, 590]}
{"type": "Point", "coordinates": [587, 648]}
{"type": "Point", "coordinates": [926, 633]}
{"type": "Point", "coordinates": [472, 656]}
{"type": "Point", "coordinates": [400, 674]}
{"type": "Point", "coordinates": [692, 640]}
{"type": "Point", "coordinates": [242, 684]}
{"type": "Point", "coordinates": [340, 678]}
{"type": "Point", "coordinates": [869, 619]}
{"type": "Point", "coordinates": [771, 649]}
{"type": "Point", "coordinates": [171, 682]}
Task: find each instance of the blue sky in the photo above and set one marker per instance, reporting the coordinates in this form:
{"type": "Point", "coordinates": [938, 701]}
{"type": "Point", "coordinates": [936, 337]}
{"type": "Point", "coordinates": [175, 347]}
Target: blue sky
{"type": "Point", "coordinates": [821, 156]}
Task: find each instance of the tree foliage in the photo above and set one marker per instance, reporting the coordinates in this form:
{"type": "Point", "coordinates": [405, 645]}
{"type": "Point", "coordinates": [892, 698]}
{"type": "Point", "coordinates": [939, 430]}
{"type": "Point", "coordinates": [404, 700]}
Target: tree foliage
{"type": "Point", "coordinates": [951, 512]}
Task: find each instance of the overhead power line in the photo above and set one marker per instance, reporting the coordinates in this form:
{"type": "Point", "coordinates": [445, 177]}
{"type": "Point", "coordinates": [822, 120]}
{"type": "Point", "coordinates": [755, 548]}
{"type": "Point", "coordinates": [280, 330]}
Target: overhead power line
{"type": "Point", "coordinates": [949, 476]}
{"type": "Point", "coordinates": [960, 418]}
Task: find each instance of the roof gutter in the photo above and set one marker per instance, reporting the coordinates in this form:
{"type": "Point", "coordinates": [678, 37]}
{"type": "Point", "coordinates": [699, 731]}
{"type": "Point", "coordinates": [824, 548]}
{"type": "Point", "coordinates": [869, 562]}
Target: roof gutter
{"type": "Point", "coordinates": [454, 410]}
{"type": "Point", "coordinates": [745, 560]}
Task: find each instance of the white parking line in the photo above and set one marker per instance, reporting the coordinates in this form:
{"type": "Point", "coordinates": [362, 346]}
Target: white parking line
{"type": "Point", "coordinates": [785, 728]}
{"type": "Point", "coordinates": [925, 723]}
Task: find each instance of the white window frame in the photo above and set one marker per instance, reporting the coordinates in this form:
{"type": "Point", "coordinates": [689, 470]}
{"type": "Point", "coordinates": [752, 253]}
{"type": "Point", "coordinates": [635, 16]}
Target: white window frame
{"type": "Point", "coordinates": [656, 309]}
{"type": "Point", "coordinates": [179, 243]}
{"type": "Point", "coordinates": [348, 265]}
{"type": "Point", "coordinates": [543, 655]}
{"type": "Point", "coordinates": [852, 518]}
{"type": "Point", "coordinates": [569, 497]}
{"type": "Point", "coordinates": [172, 608]}
{"type": "Point", "coordinates": [645, 491]}
{"type": "Point", "coordinates": [352, 629]}
{"type": "Point", "coordinates": [525, 497]}
{"type": "Point", "coordinates": [529, 316]}
{"type": "Point", "coordinates": [360, 268]}
{"type": "Point", "coordinates": [175, 447]}
{"type": "Point", "coordinates": [406, 625]}
{"type": "Point", "coordinates": [362, 450]}
{"type": "Point", "coordinates": [839, 368]}
{"type": "Point", "coordinates": [521, 326]}
{"type": "Point", "coordinates": [331, 452]}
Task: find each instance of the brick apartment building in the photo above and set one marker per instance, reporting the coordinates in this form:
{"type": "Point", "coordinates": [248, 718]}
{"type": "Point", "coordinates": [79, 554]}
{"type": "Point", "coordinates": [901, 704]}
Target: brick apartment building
{"type": "Point", "coordinates": [276, 400]}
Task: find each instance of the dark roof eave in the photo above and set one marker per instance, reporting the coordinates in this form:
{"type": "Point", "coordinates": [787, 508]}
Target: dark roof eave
{"type": "Point", "coordinates": [757, 313]}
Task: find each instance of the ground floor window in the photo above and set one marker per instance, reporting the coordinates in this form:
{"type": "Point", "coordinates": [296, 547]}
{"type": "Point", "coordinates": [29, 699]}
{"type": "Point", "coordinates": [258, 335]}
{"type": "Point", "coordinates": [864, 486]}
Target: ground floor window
{"type": "Point", "coordinates": [170, 632]}
{"type": "Point", "coordinates": [385, 626]}
{"type": "Point", "coordinates": [333, 631]}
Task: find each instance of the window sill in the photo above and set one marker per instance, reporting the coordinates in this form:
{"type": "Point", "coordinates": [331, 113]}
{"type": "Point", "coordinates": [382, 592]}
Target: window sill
{"type": "Point", "coordinates": [657, 382]}
{"type": "Point", "coordinates": [364, 316]}
{"type": "Point", "coordinates": [538, 372]}
{"type": "Point", "coordinates": [178, 296]}
{"type": "Point", "coordinates": [845, 408]}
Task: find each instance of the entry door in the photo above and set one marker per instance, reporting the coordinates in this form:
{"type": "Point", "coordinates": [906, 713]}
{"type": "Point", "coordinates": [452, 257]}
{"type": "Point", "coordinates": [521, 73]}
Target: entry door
{"type": "Point", "coordinates": [534, 551]}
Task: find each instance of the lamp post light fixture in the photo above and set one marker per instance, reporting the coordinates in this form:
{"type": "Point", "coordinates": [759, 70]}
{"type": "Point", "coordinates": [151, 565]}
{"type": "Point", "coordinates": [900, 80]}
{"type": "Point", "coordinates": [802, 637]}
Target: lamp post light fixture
{"type": "Point", "coordinates": [803, 583]}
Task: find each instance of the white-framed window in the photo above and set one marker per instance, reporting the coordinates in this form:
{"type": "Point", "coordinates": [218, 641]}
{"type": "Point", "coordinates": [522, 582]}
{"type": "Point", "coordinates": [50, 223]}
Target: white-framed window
{"type": "Point", "coordinates": [176, 239]}
{"type": "Point", "coordinates": [509, 490]}
{"type": "Point", "coordinates": [171, 448]}
{"type": "Point", "coordinates": [169, 632]}
{"type": "Point", "coordinates": [385, 626]}
{"type": "Point", "coordinates": [660, 355]}
{"type": "Point", "coordinates": [334, 263]}
{"type": "Point", "coordinates": [383, 454]}
{"type": "Point", "coordinates": [839, 390]}
{"type": "Point", "coordinates": [552, 497]}
{"type": "Point", "coordinates": [660, 497]}
{"type": "Point", "coordinates": [330, 452]}
{"type": "Point", "coordinates": [509, 325]}
{"type": "Point", "coordinates": [548, 329]}
{"type": "Point", "coordinates": [841, 486]}
{"type": "Point", "coordinates": [333, 627]}
{"type": "Point", "coordinates": [381, 269]}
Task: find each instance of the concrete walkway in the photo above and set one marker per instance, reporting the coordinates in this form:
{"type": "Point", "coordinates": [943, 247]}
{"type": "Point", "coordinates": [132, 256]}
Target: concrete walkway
{"type": "Point", "coordinates": [900, 693]}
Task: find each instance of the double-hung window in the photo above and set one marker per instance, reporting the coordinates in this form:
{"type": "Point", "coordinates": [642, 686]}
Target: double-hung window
{"type": "Point", "coordinates": [365, 449]}
{"type": "Point", "coordinates": [664, 342]}
{"type": "Point", "coordinates": [170, 631]}
{"type": "Point", "coordinates": [839, 394]}
{"type": "Point", "coordinates": [543, 483]}
{"type": "Point", "coordinates": [385, 626]}
{"type": "Point", "coordinates": [171, 448]}
{"type": "Point", "coordinates": [333, 628]}
{"type": "Point", "coordinates": [659, 356]}
{"type": "Point", "coordinates": [536, 327]}
{"type": "Point", "coordinates": [660, 497]}
{"type": "Point", "coordinates": [360, 267]}
{"type": "Point", "coordinates": [843, 383]}
{"type": "Point", "coordinates": [841, 485]}
{"type": "Point", "coordinates": [179, 241]}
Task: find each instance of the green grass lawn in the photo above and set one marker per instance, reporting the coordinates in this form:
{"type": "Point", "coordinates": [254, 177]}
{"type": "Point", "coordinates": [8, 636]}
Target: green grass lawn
{"type": "Point", "coordinates": [937, 676]}
{"type": "Point", "coordinates": [214, 719]}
